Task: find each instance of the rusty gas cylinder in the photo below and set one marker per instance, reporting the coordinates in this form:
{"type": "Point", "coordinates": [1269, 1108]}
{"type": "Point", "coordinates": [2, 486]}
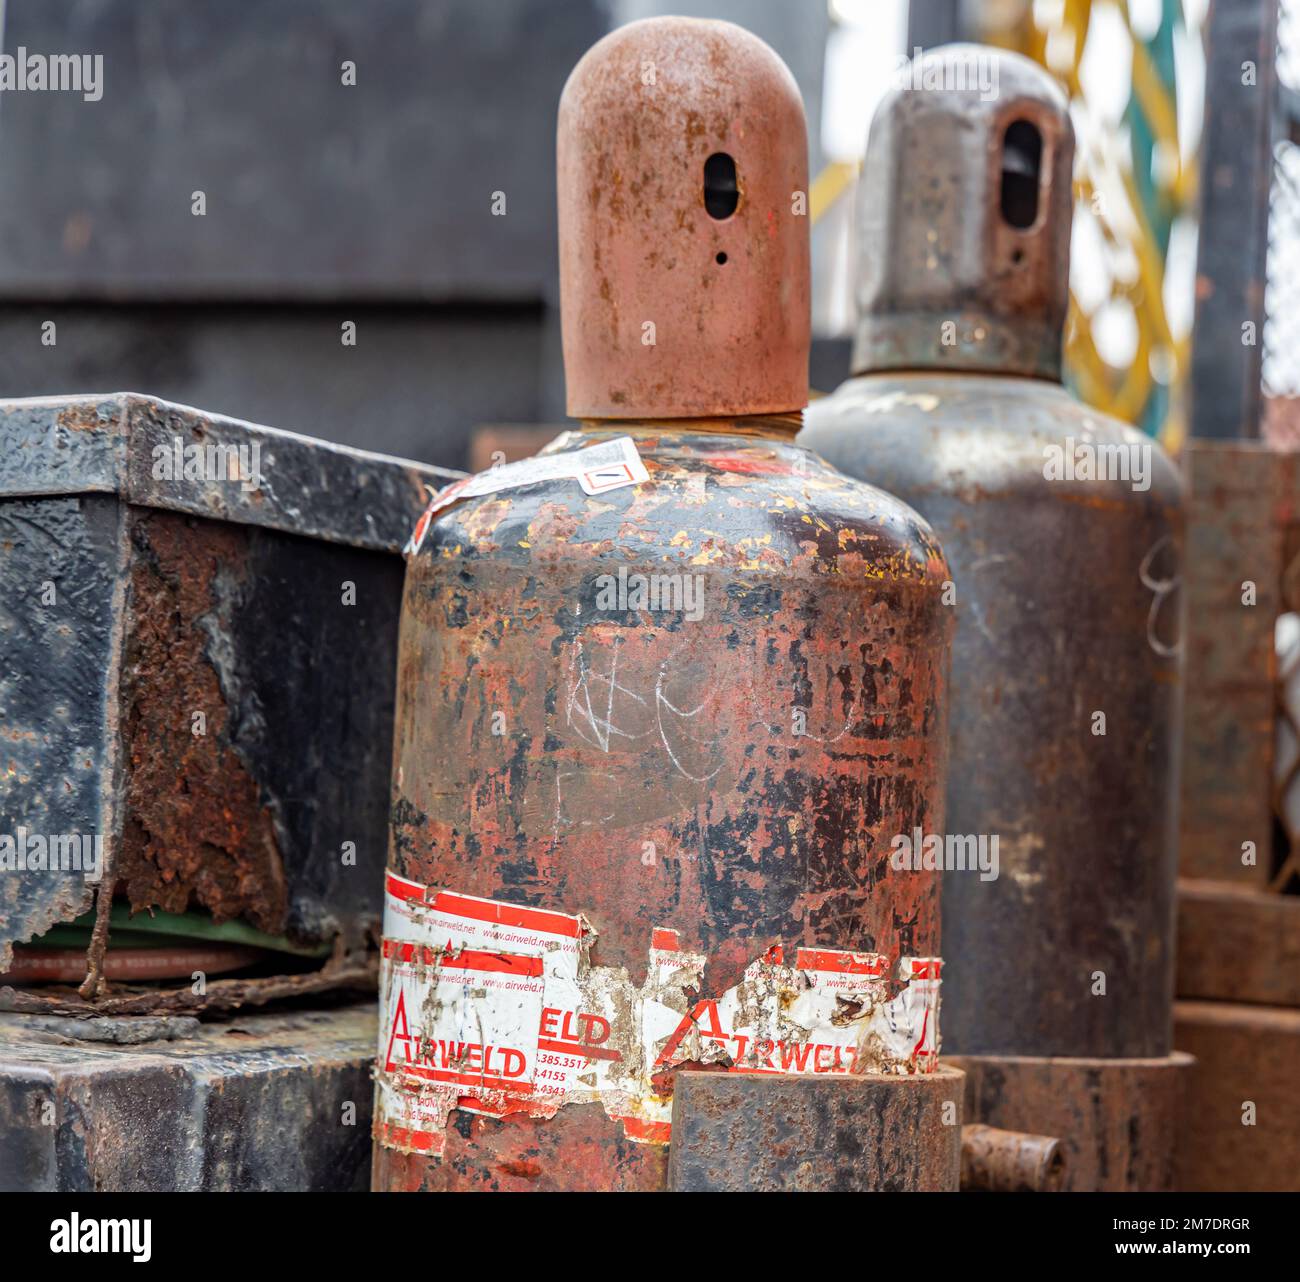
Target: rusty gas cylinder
{"type": "Point", "coordinates": [666, 691]}
{"type": "Point", "coordinates": [1063, 530]}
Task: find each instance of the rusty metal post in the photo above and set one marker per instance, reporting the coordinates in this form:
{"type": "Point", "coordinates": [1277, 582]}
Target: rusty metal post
{"type": "Point", "coordinates": [667, 691]}
{"type": "Point", "coordinates": [1236, 158]}
{"type": "Point", "coordinates": [1063, 529]}
{"type": "Point", "coordinates": [1239, 497]}
{"type": "Point", "coordinates": [733, 1133]}
{"type": "Point", "coordinates": [1238, 983]}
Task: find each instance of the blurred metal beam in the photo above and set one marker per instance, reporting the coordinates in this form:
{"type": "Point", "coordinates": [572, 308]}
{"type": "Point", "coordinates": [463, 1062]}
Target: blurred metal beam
{"type": "Point", "coordinates": [1236, 177]}
{"type": "Point", "coordinates": [316, 188]}
{"type": "Point", "coordinates": [932, 22]}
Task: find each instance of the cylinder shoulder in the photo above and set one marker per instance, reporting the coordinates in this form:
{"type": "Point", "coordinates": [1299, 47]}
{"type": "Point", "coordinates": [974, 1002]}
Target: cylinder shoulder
{"type": "Point", "coordinates": [769, 508]}
{"type": "Point", "coordinates": [990, 433]}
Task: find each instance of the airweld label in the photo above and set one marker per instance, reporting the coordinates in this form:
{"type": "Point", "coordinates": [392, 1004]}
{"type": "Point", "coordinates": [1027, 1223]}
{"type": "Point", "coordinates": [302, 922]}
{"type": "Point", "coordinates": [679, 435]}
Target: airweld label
{"type": "Point", "coordinates": [493, 1008]}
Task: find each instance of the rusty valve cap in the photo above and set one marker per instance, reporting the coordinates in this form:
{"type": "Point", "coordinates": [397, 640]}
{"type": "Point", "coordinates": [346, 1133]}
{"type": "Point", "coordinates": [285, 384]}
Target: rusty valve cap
{"type": "Point", "coordinates": [682, 161]}
{"type": "Point", "coordinates": [964, 219]}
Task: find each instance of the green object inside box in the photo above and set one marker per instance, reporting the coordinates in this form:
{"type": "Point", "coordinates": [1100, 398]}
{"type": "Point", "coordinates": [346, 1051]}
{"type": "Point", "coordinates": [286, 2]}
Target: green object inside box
{"type": "Point", "coordinates": [162, 930]}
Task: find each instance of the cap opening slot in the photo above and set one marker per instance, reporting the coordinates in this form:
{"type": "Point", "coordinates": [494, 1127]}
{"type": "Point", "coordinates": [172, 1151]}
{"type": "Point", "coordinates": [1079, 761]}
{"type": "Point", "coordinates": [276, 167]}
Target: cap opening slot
{"type": "Point", "coordinates": [721, 194]}
{"type": "Point", "coordinates": [1022, 155]}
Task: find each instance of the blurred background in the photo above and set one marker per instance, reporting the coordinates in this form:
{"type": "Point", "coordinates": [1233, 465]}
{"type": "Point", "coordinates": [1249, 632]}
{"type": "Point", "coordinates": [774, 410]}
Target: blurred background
{"type": "Point", "coordinates": [372, 202]}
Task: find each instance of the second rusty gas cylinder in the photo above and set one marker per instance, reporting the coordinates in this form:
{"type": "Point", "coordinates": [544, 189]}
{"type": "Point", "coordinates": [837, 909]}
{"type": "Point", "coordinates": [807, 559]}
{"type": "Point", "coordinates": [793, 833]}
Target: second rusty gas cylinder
{"type": "Point", "coordinates": [1062, 527]}
{"type": "Point", "coordinates": [667, 691]}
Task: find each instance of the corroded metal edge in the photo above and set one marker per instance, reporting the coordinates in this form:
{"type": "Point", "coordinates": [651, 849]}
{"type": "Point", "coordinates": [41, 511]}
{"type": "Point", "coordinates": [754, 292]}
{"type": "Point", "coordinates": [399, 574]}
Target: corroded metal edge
{"type": "Point", "coordinates": [106, 444]}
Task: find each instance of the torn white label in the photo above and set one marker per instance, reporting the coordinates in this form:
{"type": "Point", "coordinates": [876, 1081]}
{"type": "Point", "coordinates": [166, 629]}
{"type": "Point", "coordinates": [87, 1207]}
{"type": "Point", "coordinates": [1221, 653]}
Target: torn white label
{"type": "Point", "coordinates": [608, 465]}
{"type": "Point", "coordinates": [494, 1008]}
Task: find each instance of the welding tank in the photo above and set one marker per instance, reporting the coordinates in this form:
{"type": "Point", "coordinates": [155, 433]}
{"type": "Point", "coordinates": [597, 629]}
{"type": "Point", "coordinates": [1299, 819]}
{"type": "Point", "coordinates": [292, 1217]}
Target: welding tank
{"type": "Point", "coordinates": [668, 691]}
{"type": "Point", "coordinates": [1062, 527]}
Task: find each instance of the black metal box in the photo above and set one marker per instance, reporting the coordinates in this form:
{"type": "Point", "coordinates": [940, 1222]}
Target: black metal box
{"type": "Point", "coordinates": [198, 638]}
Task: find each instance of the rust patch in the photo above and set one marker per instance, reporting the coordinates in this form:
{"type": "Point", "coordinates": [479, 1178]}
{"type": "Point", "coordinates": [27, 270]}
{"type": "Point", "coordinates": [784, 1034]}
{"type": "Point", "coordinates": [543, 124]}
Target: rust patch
{"type": "Point", "coordinates": [521, 1168]}
{"type": "Point", "coordinates": [196, 832]}
{"type": "Point", "coordinates": [81, 416]}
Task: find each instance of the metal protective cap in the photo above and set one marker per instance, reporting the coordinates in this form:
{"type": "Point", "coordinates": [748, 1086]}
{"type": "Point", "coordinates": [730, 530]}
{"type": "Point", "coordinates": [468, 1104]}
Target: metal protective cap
{"type": "Point", "coordinates": [683, 179]}
{"type": "Point", "coordinates": [964, 218]}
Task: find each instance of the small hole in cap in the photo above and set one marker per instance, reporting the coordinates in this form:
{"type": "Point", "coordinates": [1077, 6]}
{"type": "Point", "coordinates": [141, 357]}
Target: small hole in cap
{"type": "Point", "coordinates": [721, 258]}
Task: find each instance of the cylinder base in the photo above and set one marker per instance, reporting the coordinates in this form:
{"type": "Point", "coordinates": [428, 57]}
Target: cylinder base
{"type": "Point", "coordinates": [876, 1132]}
{"type": "Point", "coordinates": [1116, 1118]}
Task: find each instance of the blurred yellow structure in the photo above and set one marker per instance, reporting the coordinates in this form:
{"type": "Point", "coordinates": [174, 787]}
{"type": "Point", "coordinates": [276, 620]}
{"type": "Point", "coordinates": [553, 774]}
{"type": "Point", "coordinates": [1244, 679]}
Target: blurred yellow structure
{"type": "Point", "coordinates": [1134, 182]}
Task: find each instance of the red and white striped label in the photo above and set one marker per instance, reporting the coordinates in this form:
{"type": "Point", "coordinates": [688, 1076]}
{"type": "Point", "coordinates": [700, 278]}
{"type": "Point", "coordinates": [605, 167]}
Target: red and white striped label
{"type": "Point", "coordinates": [493, 1008]}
